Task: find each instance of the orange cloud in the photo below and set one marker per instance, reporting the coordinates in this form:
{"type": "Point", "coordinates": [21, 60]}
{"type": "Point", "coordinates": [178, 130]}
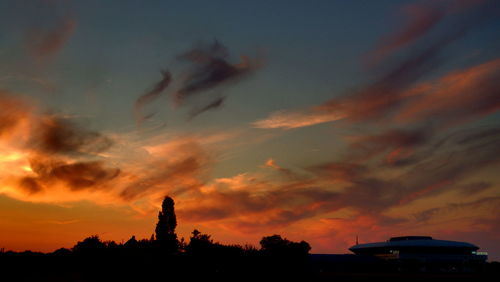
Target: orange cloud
{"type": "Point", "coordinates": [51, 158]}
{"type": "Point", "coordinates": [296, 119]}
{"type": "Point", "coordinates": [14, 116]}
{"type": "Point", "coordinates": [175, 167]}
{"type": "Point", "coordinates": [253, 202]}
{"type": "Point", "coordinates": [271, 164]}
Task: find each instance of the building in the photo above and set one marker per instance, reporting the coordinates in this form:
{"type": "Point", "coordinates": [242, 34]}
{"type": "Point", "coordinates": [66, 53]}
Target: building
{"type": "Point", "coordinates": [423, 250]}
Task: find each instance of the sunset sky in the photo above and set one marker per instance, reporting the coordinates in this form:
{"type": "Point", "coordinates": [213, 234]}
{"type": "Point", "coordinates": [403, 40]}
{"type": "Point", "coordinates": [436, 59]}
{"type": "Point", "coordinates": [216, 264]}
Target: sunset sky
{"type": "Point", "coordinates": [316, 120]}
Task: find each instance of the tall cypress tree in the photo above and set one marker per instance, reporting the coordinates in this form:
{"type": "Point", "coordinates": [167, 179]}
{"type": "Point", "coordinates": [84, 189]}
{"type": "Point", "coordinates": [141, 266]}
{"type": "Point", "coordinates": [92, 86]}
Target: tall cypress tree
{"type": "Point", "coordinates": [165, 228]}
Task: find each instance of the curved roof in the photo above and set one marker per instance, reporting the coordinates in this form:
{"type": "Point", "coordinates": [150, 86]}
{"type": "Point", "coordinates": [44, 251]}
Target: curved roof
{"type": "Point", "coordinates": [402, 238]}
{"type": "Point", "coordinates": [415, 243]}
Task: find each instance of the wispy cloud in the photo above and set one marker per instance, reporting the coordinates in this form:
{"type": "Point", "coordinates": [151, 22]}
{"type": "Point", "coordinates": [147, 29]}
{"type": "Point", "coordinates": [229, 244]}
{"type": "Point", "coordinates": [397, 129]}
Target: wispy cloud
{"type": "Point", "coordinates": [374, 101]}
{"type": "Point", "coordinates": [458, 96]}
{"type": "Point", "coordinates": [60, 222]}
{"type": "Point", "coordinates": [151, 96]}
{"type": "Point", "coordinates": [421, 19]}
{"type": "Point", "coordinates": [217, 103]}
{"type": "Point", "coordinates": [295, 119]}
{"type": "Point", "coordinates": [257, 199]}
{"type": "Point", "coordinates": [209, 69]}
{"type": "Point", "coordinates": [397, 88]}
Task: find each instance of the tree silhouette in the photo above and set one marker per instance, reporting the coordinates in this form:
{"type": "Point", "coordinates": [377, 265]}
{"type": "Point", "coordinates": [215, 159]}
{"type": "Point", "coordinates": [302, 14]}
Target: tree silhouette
{"type": "Point", "coordinates": [276, 245]}
{"type": "Point", "coordinates": [89, 245]}
{"type": "Point", "coordinates": [165, 228]}
{"type": "Point", "coordinates": [131, 243]}
{"type": "Point", "coordinates": [200, 243]}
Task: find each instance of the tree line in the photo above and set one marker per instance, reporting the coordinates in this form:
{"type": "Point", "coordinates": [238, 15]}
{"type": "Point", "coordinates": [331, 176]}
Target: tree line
{"type": "Point", "coordinates": [162, 256]}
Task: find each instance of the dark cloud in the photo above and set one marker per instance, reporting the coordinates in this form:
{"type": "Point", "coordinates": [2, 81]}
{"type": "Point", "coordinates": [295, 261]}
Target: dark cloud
{"type": "Point", "coordinates": [340, 171]}
{"type": "Point", "coordinates": [361, 189]}
{"type": "Point", "coordinates": [397, 145]}
{"type": "Point", "coordinates": [59, 135]}
{"type": "Point", "coordinates": [74, 176]}
{"type": "Point", "coordinates": [30, 185]}
{"type": "Point", "coordinates": [277, 205]}
{"type": "Point", "coordinates": [210, 68]}
{"type": "Point", "coordinates": [441, 170]}
{"type": "Point", "coordinates": [217, 103]}
{"type": "Point", "coordinates": [474, 188]}
{"type": "Point", "coordinates": [48, 133]}
{"type": "Point", "coordinates": [84, 174]}
{"type": "Point", "coordinates": [151, 96]}
{"type": "Point", "coordinates": [472, 136]}
{"type": "Point", "coordinates": [490, 203]}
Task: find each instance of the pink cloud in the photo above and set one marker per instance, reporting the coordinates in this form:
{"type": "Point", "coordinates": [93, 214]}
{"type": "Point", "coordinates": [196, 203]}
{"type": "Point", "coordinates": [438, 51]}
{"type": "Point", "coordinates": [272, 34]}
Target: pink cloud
{"type": "Point", "coordinates": [297, 119]}
{"type": "Point", "coordinates": [420, 19]}
{"type": "Point", "coordinates": [455, 97]}
{"type": "Point", "coordinates": [45, 43]}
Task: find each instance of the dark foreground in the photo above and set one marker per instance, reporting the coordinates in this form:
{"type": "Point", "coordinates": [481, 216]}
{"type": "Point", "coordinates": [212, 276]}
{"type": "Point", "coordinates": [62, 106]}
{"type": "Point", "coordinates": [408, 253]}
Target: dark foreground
{"type": "Point", "coordinates": [165, 258]}
{"type": "Point", "coordinates": [226, 265]}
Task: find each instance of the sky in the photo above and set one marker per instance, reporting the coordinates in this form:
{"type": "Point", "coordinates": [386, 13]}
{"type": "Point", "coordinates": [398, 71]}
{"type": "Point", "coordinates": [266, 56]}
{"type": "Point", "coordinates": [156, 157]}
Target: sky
{"type": "Point", "coordinates": [320, 121]}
